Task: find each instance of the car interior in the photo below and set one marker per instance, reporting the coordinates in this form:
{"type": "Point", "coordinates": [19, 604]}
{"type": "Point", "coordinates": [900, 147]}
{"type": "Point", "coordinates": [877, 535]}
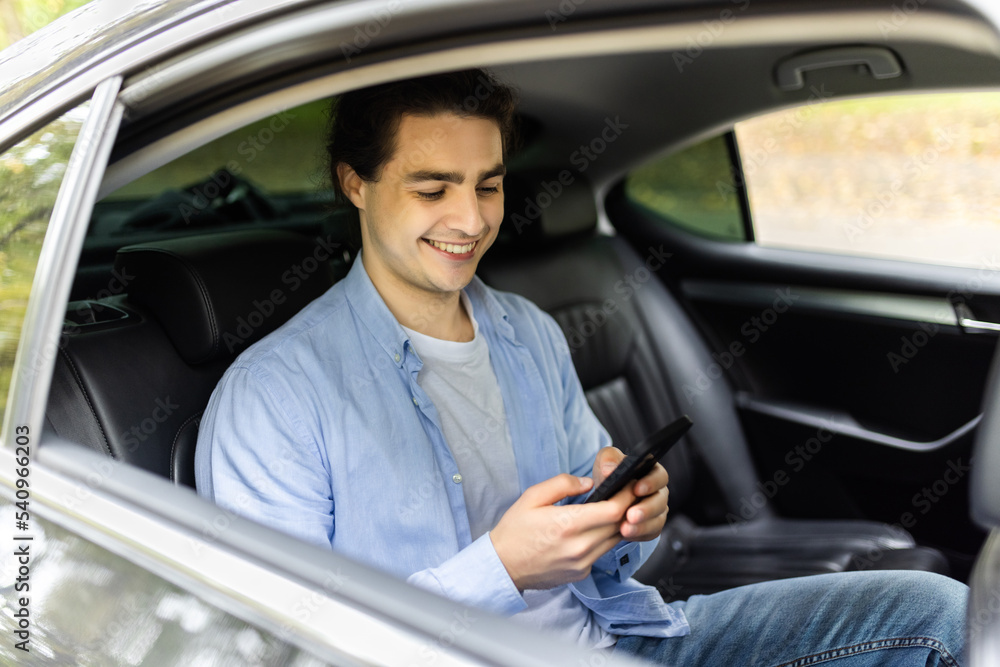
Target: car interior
{"type": "Point", "coordinates": [196, 250]}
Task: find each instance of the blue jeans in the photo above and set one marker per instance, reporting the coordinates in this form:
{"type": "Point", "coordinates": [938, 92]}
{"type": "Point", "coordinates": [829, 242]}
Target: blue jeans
{"type": "Point", "coordinates": [852, 619]}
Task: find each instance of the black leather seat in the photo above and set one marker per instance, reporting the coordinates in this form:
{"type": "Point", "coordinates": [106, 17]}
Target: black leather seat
{"type": "Point", "coordinates": [634, 349]}
{"type": "Point", "coordinates": [135, 372]}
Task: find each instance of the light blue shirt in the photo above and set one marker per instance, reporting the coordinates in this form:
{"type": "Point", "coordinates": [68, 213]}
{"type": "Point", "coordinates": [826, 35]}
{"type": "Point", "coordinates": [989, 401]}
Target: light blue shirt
{"type": "Point", "coordinates": [321, 430]}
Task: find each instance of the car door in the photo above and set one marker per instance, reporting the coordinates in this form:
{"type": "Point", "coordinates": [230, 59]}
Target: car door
{"type": "Point", "coordinates": [109, 564]}
{"type": "Point", "coordinates": [838, 258]}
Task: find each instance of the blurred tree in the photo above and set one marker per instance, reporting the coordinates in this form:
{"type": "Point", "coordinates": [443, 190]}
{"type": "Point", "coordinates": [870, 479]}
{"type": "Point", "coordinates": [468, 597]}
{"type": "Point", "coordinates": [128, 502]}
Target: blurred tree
{"type": "Point", "coordinates": [23, 17]}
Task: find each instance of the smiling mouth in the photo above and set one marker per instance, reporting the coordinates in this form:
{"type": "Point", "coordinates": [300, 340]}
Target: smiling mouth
{"type": "Point", "coordinates": [453, 248]}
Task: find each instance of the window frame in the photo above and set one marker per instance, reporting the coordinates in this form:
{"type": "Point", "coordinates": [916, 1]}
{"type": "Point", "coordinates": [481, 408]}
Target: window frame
{"type": "Point", "coordinates": [42, 326]}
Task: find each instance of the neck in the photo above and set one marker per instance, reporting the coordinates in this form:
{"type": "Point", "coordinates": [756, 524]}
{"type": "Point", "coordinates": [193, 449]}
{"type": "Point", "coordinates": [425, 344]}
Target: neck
{"type": "Point", "coordinates": [435, 314]}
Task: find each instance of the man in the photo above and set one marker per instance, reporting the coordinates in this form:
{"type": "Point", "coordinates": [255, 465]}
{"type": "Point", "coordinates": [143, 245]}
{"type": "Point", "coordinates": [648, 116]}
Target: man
{"type": "Point", "coordinates": [415, 419]}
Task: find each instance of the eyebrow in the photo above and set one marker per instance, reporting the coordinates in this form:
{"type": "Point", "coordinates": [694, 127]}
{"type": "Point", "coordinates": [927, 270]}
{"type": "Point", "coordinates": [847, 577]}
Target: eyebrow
{"type": "Point", "coordinates": [451, 176]}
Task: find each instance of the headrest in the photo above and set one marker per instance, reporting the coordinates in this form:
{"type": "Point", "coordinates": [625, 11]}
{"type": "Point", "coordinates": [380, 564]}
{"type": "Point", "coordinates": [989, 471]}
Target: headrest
{"type": "Point", "coordinates": [543, 207]}
{"type": "Point", "coordinates": [216, 294]}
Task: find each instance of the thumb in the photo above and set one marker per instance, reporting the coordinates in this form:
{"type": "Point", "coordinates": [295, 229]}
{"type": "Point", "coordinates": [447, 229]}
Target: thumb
{"type": "Point", "coordinates": [555, 489]}
{"type": "Point", "coordinates": [605, 462]}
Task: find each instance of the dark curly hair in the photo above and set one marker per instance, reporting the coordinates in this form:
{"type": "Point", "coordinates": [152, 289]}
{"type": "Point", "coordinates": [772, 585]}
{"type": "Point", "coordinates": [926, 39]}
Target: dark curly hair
{"type": "Point", "coordinates": [364, 123]}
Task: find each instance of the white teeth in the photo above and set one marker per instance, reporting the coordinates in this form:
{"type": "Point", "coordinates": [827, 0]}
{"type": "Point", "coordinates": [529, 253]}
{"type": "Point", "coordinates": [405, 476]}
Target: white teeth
{"type": "Point", "coordinates": [452, 248]}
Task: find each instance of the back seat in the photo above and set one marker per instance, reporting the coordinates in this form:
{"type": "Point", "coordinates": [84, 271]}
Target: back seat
{"type": "Point", "coordinates": [635, 348]}
{"type": "Point", "coordinates": [135, 371]}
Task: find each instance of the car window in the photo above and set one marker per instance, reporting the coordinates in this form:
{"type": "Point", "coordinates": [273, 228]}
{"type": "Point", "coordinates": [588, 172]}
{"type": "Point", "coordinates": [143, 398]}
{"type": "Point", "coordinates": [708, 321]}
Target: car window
{"type": "Point", "coordinates": [102, 609]}
{"type": "Point", "coordinates": [693, 189]}
{"type": "Point", "coordinates": [37, 165]}
{"type": "Point", "coordinates": [908, 177]}
{"type": "Point", "coordinates": [267, 173]}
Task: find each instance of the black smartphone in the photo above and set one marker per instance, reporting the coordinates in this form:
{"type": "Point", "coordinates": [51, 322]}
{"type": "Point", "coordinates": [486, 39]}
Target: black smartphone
{"type": "Point", "coordinates": [646, 454]}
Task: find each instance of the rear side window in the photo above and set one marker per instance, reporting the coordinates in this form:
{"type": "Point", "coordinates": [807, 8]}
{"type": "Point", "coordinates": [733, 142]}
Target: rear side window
{"type": "Point", "coordinates": [906, 177]}
{"type": "Point", "coordinates": [693, 189]}
{"type": "Point", "coordinates": [909, 177]}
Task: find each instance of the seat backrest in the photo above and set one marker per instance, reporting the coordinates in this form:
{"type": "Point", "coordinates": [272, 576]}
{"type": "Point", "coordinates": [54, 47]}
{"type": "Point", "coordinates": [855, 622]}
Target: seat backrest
{"type": "Point", "coordinates": [135, 371]}
{"type": "Point", "coordinates": [636, 351]}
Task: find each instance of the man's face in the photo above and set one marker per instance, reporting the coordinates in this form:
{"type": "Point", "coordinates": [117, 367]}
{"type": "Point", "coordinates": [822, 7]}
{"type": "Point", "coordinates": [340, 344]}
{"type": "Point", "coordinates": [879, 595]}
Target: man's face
{"type": "Point", "coordinates": [427, 221]}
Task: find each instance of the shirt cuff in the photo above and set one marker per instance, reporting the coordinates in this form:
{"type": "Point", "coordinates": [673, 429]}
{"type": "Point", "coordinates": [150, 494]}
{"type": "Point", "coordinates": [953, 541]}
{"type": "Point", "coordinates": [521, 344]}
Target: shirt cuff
{"type": "Point", "coordinates": [625, 558]}
{"type": "Point", "coordinates": [474, 576]}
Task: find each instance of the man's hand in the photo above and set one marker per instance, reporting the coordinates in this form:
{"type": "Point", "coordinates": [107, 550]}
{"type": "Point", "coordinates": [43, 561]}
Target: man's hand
{"type": "Point", "coordinates": [544, 545]}
{"type": "Point", "coordinates": [644, 520]}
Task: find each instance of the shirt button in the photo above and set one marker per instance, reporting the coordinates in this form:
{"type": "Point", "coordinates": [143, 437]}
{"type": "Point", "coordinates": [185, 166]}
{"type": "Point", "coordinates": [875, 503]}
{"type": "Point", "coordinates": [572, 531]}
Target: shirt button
{"type": "Point", "coordinates": [456, 478]}
{"type": "Point", "coordinates": [397, 357]}
{"type": "Point", "coordinates": [416, 402]}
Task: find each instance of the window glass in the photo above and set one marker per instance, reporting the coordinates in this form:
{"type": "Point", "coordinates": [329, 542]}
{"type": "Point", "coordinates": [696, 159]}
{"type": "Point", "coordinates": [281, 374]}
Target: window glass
{"type": "Point", "coordinates": [271, 171]}
{"type": "Point", "coordinates": [908, 177]}
{"type": "Point", "coordinates": [91, 607]}
{"type": "Point", "coordinates": [693, 189]}
{"type": "Point", "coordinates": [30, 175]}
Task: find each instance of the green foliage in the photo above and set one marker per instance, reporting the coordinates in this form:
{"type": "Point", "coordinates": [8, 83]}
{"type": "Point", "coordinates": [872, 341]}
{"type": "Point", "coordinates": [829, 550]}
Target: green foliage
{"type": "Point", "coordinates": [19, 18]}
{"type": "Point", "coordinates": [692, 189]}
{"type": "Point", "coordinates": [30, 175]}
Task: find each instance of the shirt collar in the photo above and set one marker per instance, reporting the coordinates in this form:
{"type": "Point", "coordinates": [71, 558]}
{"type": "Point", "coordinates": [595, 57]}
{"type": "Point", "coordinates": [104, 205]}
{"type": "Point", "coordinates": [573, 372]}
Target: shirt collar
{"type": "Point", "coordinates": [367, 303]}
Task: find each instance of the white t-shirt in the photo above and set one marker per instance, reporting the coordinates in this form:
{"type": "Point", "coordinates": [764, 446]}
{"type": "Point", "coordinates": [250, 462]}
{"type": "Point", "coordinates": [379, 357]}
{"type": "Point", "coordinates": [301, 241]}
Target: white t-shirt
{"type": "Point", "coordinates": [459, 379]}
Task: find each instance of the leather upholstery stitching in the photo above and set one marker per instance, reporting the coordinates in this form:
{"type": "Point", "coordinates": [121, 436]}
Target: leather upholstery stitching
{"type": "Point", "coordinates": [177, 436]}
{"type": "Point", "coordinates": [202, 288]}
{"type": "Point", "coordinates": [86, 396]}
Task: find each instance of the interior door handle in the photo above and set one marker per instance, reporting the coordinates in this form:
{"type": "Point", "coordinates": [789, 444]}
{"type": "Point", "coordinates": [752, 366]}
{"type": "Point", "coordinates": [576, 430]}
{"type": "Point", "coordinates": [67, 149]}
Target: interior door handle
{"type": "Point", "coordinates": [968, 323]}
{"type": "Point", "coordinates": [882, 63]}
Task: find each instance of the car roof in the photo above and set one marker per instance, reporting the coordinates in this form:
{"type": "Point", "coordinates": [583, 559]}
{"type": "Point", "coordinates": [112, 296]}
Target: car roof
{"type": "Point", "coordinates": [102, 27]}
{"type": "Point", "coordinates": [80, 38]}
{"type": "Point", "coordinates": [733, 78]}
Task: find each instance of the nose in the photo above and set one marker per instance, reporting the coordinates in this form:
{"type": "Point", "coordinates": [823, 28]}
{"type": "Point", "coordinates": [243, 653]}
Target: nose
{"type": "Point", "coordinates": [466, 216]}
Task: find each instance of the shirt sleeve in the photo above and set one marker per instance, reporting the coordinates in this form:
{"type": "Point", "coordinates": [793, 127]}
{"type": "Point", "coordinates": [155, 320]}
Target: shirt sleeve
{"type": "Point", "coordinates": [254, 459]}
{"type": "Point", "coordinates": [474, 576]}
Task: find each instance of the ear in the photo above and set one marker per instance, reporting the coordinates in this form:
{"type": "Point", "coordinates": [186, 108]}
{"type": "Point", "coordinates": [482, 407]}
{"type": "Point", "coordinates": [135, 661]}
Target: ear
{"type": "Point", "coordinates": [352, 185]}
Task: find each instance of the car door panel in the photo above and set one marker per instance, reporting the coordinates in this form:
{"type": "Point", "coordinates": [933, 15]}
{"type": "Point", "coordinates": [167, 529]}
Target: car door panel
{"type": "Point", "coordinates": [857, 387]}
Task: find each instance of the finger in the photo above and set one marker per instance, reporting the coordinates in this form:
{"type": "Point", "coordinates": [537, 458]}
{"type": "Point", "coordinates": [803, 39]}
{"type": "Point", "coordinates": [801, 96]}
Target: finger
{"type": "Point", "coordinates": [652, 482]}
{"type": "Point", "coordinates": [605, 462]}
{"type": "Point", "coordinates": [650, 506]}
{"type": "Point", "coordinates": [601, 541]}
{"type": "Point", "coordinates": [617, 504]}
{"type": "Point", "coordinates": [643, 531]}
{"type": "Point", "coordinates": [555, 489]}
